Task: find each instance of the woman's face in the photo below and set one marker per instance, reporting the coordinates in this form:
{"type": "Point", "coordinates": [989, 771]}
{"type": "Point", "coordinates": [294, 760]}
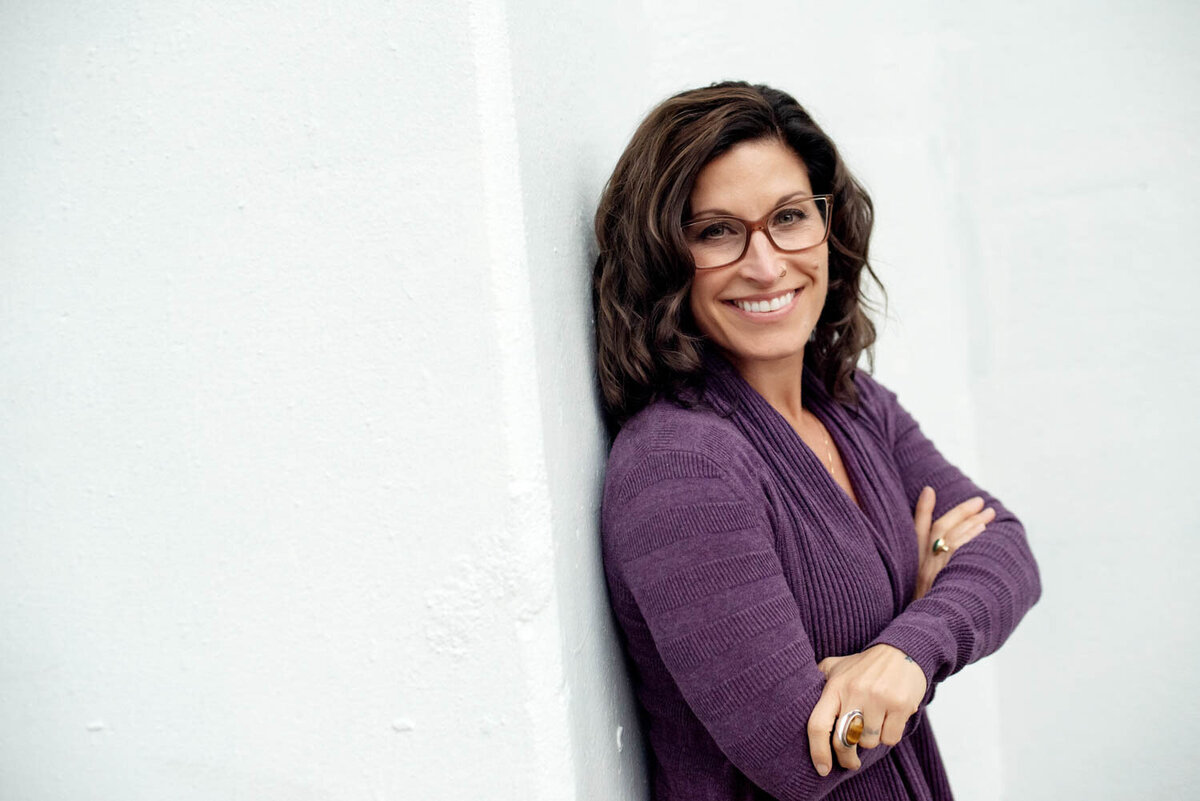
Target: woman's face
{"type": "Point", "coordinates": [748, 181]}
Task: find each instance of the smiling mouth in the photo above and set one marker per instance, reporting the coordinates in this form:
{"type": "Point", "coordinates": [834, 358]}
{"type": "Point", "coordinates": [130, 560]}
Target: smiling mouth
{"type": "Point", "coordinates": [764, 306]}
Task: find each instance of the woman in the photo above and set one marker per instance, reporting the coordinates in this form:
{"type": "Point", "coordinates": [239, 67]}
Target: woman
{"type": "Point", "coordinates": [794, 567]}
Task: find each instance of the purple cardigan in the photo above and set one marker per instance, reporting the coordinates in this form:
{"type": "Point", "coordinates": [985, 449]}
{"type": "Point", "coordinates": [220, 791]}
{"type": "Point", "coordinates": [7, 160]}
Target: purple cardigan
{"type": "Point", "coordinates": [735, 563]}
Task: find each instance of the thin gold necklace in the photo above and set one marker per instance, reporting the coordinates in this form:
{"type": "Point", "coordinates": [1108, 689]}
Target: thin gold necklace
{"type": "Point", "coordinates": [825, 438]}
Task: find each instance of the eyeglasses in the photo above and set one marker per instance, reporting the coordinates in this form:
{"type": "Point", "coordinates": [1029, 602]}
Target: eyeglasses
{"type": "Point", "coordinates": [799, 224]}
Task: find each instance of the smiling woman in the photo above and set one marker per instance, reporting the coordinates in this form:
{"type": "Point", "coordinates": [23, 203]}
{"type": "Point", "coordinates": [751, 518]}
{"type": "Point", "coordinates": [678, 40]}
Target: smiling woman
{"type": "Point", "coordinates": [794, 567]}
{"type": "Point", "coordinates": [759, 307]}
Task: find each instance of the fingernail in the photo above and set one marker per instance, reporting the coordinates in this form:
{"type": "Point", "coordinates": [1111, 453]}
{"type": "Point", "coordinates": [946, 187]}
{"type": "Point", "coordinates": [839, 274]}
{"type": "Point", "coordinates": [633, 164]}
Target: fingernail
{"type": "Point", "coordinates": [823, 769]}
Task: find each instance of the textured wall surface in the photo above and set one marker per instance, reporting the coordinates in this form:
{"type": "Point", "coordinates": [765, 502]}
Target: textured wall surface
{"type": "Point", "coordinates": [301, 450]}
{"type": "Point", "coordinates": [275, 514]}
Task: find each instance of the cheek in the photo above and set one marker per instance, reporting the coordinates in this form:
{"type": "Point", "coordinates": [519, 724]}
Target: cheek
{"type": "Point", "coordinates": [822, 274]}
{"type": "Point", "coordinates": [700, 300]}
{"type": "Point", "coordinates": [823, 263]}
{"type": "Point", "coordinates": [695, 294]}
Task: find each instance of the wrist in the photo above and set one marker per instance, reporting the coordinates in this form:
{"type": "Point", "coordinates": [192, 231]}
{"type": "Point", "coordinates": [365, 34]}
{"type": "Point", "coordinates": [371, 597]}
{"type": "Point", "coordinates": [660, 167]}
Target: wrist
{"type": "Point", "coordinates": [897, 656]}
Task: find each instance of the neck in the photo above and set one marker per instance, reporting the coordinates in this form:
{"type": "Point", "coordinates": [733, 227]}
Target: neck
{"type": "Point", "coordinates": [779, 381]}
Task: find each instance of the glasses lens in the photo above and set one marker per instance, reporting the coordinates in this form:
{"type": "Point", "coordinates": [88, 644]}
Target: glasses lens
{"type": "Point", "coordinates": [714, 243]}
{"type": "Point", "coordinates": [800, 225]}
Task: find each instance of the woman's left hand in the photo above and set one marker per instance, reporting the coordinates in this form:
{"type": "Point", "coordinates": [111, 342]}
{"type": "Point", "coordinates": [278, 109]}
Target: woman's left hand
{"type": "Point", "coordinates": [883, 682]}
{"type": "Point", "coordinates": [955, 528]}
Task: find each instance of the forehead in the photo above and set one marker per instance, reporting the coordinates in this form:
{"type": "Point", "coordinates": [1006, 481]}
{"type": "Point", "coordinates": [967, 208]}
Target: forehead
{"type": "Point", "coordinates": [749, 179]}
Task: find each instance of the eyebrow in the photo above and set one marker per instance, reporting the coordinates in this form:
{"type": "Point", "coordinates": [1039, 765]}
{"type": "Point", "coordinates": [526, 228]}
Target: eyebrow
{"type": "Point", "coordinates": [723, 213]}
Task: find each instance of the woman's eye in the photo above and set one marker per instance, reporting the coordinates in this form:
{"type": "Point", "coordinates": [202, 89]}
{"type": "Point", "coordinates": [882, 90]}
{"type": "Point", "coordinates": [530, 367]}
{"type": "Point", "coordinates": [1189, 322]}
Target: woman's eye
{"type": "Point", "coordinates": [715, 231]}
{"type": "Point", "coordinates": [790, 217]}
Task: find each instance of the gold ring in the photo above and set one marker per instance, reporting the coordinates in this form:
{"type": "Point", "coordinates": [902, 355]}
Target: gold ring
{"type": "Point", "coordinates": [940, 546]}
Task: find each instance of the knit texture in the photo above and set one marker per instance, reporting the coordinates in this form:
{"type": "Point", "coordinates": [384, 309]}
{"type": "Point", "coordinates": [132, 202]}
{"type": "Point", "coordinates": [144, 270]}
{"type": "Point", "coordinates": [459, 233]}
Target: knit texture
{"type": "Point", "coordinates": [735, 563]}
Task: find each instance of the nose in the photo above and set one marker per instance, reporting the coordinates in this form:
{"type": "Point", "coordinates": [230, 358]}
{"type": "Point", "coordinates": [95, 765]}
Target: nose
{"type": "Point", "coordinates": [762, 261]}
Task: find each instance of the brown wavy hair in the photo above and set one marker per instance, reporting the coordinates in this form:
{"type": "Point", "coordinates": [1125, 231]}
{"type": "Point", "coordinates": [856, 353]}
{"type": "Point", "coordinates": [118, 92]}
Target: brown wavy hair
{"type": "Point", "coordinates": [648, 345]}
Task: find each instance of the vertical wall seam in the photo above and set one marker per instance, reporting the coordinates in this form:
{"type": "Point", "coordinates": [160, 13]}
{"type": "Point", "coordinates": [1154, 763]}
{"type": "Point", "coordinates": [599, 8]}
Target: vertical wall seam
{"type": "Point", "coordinates": [528, 517]}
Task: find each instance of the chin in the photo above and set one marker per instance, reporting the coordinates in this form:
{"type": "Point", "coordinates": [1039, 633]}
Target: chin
{"type": "Point", "coordinates": [765, 354]}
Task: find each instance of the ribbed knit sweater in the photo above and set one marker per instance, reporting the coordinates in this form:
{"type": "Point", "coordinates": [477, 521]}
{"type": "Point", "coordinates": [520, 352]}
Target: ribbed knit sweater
{"type": "Point", "coordinates": [735, 563]}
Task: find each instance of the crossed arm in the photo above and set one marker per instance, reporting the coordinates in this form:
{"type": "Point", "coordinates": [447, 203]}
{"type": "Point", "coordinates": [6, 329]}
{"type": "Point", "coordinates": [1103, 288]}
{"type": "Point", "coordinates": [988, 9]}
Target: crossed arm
{"type": "Point", "coordinates": [885, 684]}
{"type": "Point", "coordinates": [694, 562]}
{"type": "Point", "coordinates": [694, 548]}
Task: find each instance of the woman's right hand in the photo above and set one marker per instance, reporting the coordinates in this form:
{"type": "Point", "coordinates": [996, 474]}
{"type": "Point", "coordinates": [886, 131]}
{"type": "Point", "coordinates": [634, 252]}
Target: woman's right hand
{"type": "Point", "coordinates": [886, 688]}
{"type": "Point", "coordinates": [956, 528]}
{"type": "Point", "coordinates": [883, 684]}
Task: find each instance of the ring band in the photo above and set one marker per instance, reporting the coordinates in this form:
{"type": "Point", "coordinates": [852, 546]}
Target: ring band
{"type": "Point", "coordinates": [849, 728]}
{"type": "Point", "coordinates": [940, 546]}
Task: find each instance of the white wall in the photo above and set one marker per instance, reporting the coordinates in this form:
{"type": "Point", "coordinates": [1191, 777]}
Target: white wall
{"type": "Point", "coordinates": [275, 517]}
{"type": "Point", "coordinates": [1081, 192]}
{"type": "Point", "coordinates": [302, 447]}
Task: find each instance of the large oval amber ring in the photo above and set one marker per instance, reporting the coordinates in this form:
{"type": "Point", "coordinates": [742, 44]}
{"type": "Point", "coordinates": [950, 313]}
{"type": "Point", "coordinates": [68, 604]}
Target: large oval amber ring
{"type": "Point", "coordinates": [849, 728]}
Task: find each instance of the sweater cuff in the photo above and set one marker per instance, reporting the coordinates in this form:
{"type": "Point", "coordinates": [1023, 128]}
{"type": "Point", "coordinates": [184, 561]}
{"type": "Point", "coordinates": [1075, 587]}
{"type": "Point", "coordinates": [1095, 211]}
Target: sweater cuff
{"type": "Point", "coordinates": [924, 639]}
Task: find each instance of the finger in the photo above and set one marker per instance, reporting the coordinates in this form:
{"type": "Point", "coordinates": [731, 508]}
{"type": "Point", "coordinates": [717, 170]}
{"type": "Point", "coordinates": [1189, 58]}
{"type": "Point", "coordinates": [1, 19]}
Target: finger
{"type": "Point", "coordinates": [872, 729]}
{"type": "Point", "coordinates": [847, 757]}
{"type": "Point", "coordinates": [957, 514]}
{"type": "Point", "coordinates": [893, 728]}
{"type": "Point", "coordinates": [923, 516]}
{"type": "Point", "coordinates": [982, 516]}
{"type": "Point", "coordinates": [820, 727]}
{"type": "Point", "coordinates": [973, 527]}
{"type": "Point", "coordinates": [969, 529]}
{"type": "Point", "coordinates": [952, 518]}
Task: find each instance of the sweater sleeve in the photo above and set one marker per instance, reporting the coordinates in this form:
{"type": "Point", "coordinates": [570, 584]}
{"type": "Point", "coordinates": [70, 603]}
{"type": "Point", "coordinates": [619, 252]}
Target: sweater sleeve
{"type": "Point", "coordinates": [690, 552]}
{"type": "Point", "coordinates": [987, 585]}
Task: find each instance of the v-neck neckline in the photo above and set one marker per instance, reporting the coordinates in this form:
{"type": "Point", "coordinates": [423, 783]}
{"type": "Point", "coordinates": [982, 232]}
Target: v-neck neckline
{"type": "Point", "coordinates": [740, 394]}
{"type": "Point", "coordinates": [801, 471]}
{"type": "Point", "coordinates": [833, 417]}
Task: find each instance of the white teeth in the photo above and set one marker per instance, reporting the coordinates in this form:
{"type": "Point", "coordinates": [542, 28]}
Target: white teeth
{"type": "Point", "coordinates": [760, 306]}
